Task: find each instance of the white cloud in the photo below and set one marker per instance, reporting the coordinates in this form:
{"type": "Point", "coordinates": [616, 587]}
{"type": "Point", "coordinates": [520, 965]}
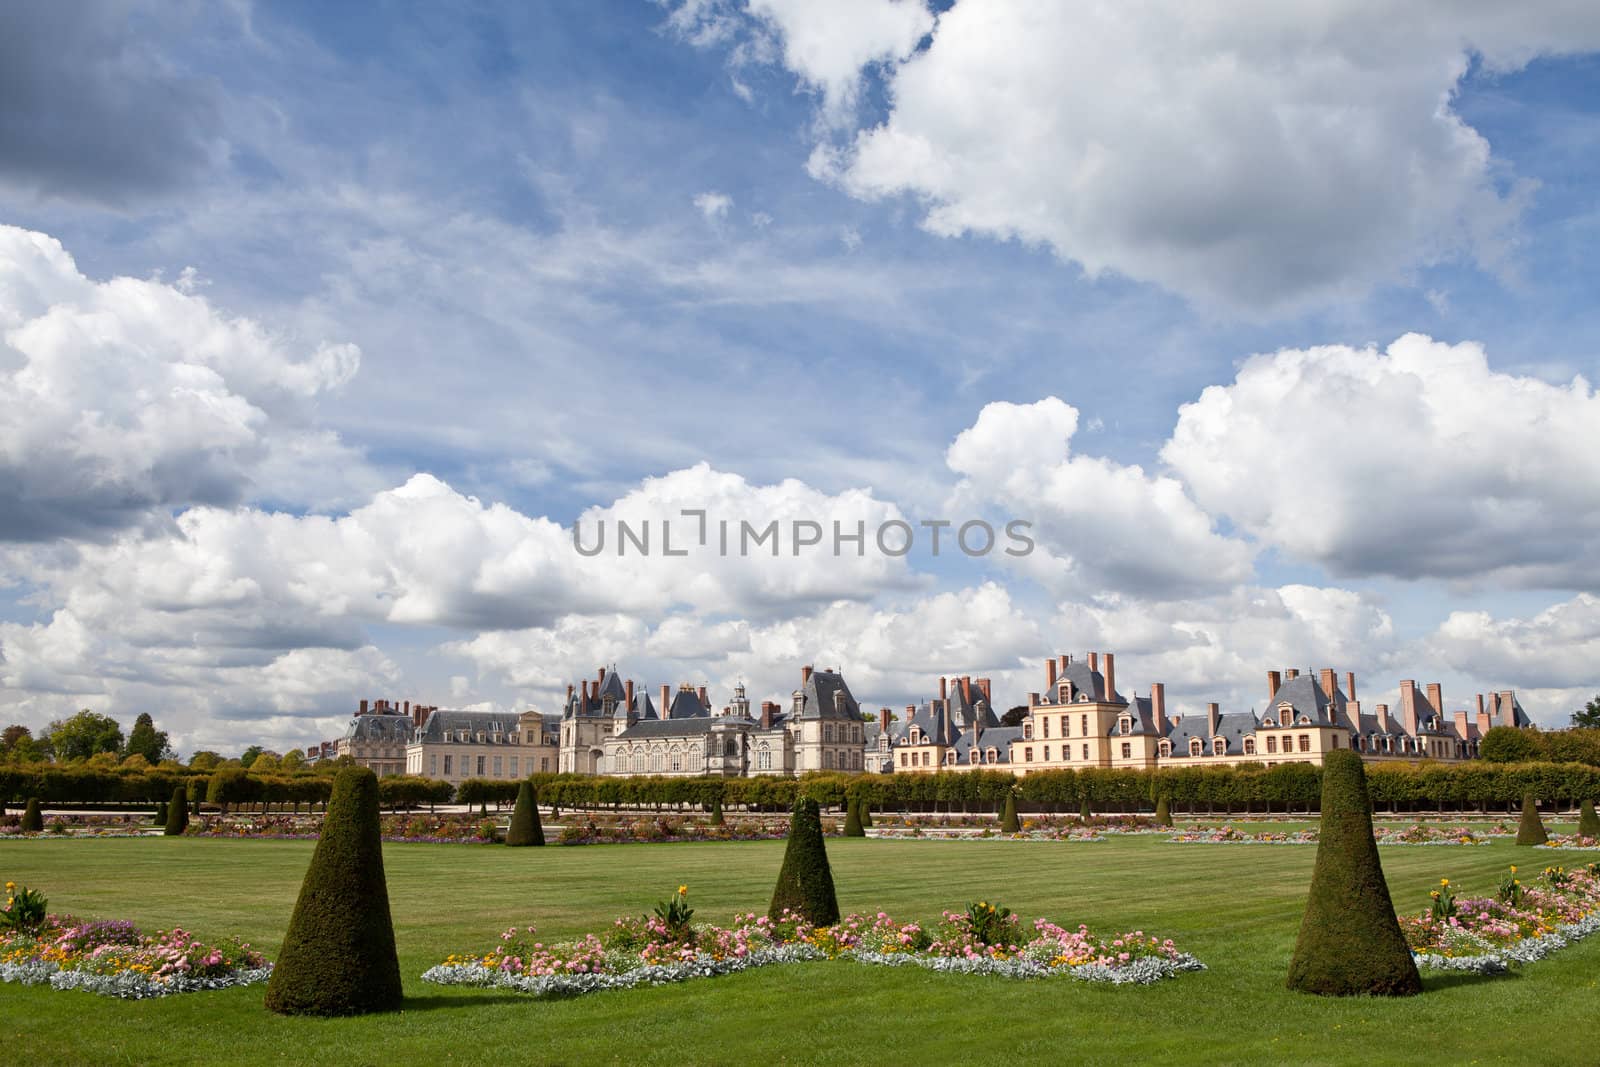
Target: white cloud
{"type": "Point", "coordinates": [127, 398]}
{"type": "Point", "coordinates": [714, 206]}
{"type": "Point", "coordinates": [1555, 649]}
{"type": "Point", "coordinates": [1412, 462]}
{"type": "Point", "coordinates": [1256, 156]}
{"type": "Point", "coordinates": [1100, 526]}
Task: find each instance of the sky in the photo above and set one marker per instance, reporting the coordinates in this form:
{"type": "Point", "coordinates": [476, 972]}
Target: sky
{"type": "Point", "coordinates": [322, 326]}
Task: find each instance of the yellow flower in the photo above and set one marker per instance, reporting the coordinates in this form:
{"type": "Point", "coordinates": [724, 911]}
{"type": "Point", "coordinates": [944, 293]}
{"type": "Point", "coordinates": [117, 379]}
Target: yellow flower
{"type": "Point", "coordinates": [683, 890]}
{"type": "Point", "coordinates": [10, 886]}
{"type": "Point", "coordinates": [1513, 868]}
{"type": "Point", "coordinates": [1444, 881]}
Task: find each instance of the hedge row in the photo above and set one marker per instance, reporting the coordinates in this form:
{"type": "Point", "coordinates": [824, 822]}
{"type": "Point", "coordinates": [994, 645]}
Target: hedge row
{"type": "Point", "coordinates": [225, 787]}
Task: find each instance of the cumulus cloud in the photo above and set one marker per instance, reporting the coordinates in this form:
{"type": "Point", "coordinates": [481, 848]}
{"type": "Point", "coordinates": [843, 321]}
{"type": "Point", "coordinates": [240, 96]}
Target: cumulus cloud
{"type": "Point", "coordinates": [1100, 526]}
{"type": "Point", "coordinates": [93, 110]}
{"type": "Point", "coordinates": [1255, 156]}
{"type": "Point", "coordinates": [714, 206]}
{"type": "Point", "coordinates": [1554, 649]}
{"type": "Point", "coordinates": [126, 398]}
{"type": "Point", "coordinates": [1416, 461]}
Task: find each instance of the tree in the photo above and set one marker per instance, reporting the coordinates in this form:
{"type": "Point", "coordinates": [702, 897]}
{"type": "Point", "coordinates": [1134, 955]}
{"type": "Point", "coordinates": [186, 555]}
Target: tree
{"type": "Point", "coordinates": [338, 957]}
{"type": "Point", "coordinates": [1530, 831]}
{"type": "Point", "coordinates": [84, 735]}
{"type": "Point", "coordinates": [177, 813]}
{"type": "Point", "coordinates": [1350, 942]}
{"type": "Point", "coordinates": [205, 760]}
{"type": "Point", "coordinates": [32, 820]}
{"type": "Point", "coordinates": [1163, 811]}
{"type": "Point", "coordinates": [716, 810]}
{"type": "Point", "coordinates": [1014, 716]}
{"type": "Point", "coordinates": [293, 760]}
{"type": "Point", "coordinates": [1588, 822]}
{"type": "Point", "coordinates": [805, 881]}
{"type": "Point", "coordinates": [18, 744]}
{"type": "Point", "coordinates": [1008, 818]}
{"type": "Point", "coordinates": [1507, 744]}
{"type": "Point", "coordinates": [161, 814]}
{"type": "Point", "coordinates": [145, 740]}
{"type": "Point", "coordinates": [525, 828]}
{"type": "Point", "coordinates": [265, 763]}
{"type": "Point", "coordinates": [249, 755]}
{"type": "Point", "coordinates": [1589, 717]}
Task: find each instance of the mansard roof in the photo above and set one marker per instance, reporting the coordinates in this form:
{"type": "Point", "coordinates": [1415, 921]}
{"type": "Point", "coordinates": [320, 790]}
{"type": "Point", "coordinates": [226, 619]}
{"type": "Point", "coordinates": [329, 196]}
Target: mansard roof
{"type": "Point", "coordinates": [1084, 680]}
{"type": "Point", "coordinates": [1232, 726]}
{"type": "Point", "coordinates": [445, 725]}
{"type": "Point", "coordinates": [686, 705]}
{"type": "Point", "coordinates": [1304, 694]}
{"type": "Point", "coordinates": [646, 729]}
{"type": "Point", "coordinates": [826, 696]}
{"type": "Point", "coordinates": [379, 728]}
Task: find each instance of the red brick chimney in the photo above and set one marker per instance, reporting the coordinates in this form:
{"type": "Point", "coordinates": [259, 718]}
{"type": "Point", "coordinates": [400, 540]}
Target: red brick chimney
{"type": "Point", "coordinates": [1462, 730]}
{"type": "Point", "coordinates": [1349, 685]}
{"type": "Point", "coordinates": [599, 676]}
{"type": "Point", "coordinates": [1330, 684]}
{"type": "Point", "coordinates": [1111, 676]}
{"type": "Point", "coordinates": [1274, 682]}
{"type": "Point", "coordinates": [1508, 707]}
{"type": "Point", "coordinates": [363, 709]}
{"type": "Point", "coordinates": [627, 691]}
{"type": "Point", "coordinates": [1292, 672]}
{"type": "Point", "coordinates": [1064, 659]}
{"type": "Point", "coordinates": [586, 694]}
{"type": "Point", "coordinates": [1050, 673]}
{"type": "Point", "coordinates": [1436, 698]}
{"type": "Point", "coordinates": [966, 689]}
{"type": "Point", "coordinates": [1382, 712]}
{"type": "Point", "coordinates": [1094, 661]}
{"type": "Point", "coordinates": [805, 675]}
{"type": "Point", "coordinates": [1213, 719]}
{"type": "Point", "coordinates": [1408, 706]}
{"type": "Point", "coordinates": [944, 693]}
{"type": "Point", "coordinates": [666, 700]}
{"type": "Point", "coordinates": [983, 686]}
{"type": "Point", "coordinates": [768, 708]}
{"type": "Point", "coordinates": [700, 691]}
{"type": "Point", "coordinates": [1158, 707]}
{"type": "Point", "coordinates": [1033, 700]}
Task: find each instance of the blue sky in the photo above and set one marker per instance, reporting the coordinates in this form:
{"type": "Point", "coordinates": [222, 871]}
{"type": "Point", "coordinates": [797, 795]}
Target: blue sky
{"type": "Point", "coordinates": [408, 289]}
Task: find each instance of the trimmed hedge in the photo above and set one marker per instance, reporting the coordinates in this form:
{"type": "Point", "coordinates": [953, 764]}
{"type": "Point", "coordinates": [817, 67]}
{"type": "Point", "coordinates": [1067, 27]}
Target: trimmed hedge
{"type": "Point", "coordinates": [1588, 822]}
{"type": "Point", "coordinates": [1530, 830]}
{"type": "Point", "coordinates": [338, 957]}
{"type": "Point", "coordinates": [1163, 812]}
{"type": "Point", "coordinates": [525, 827]}
{"type": "Point", "coordinates": [1009, 822]}
{"type": "Point", "coordinates": [177, 812]}
{"type": "Point", "coordinates": [32, 821]}
{"type": "Point", "coordinates": [805, 882]}
{"type": "Point", "coordinates": [852, 818]}
{"type": "Point", "coordinates": [1350, 942]}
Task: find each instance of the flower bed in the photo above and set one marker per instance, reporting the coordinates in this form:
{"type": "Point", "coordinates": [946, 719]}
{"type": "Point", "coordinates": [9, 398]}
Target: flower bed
{"type": "Point", "coordinates": [115, 958]}
{"type": "Point", "coordinates": [1519, 924]}
{"type": "Point", "coordinates": [1419, 834]}
{"type": "Point", "coordinates": [1570, 841]}
{"type": "Point", "coordinates": [667, 947]}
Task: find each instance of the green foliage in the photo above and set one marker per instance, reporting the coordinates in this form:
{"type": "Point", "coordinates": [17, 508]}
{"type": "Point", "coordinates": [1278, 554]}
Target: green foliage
{"type": "Point", "coordinates": [1443, 902]}
{"type": "Point", "coordinates": [178, 812]}
{"type": "Point", "coordinates": [864, 810]}
{"type": "Point", "coordinates": [205, 760]}
{"type": "Point", "coordinates": [145, 740]}
{"type": "Point", "coordinates": [1084, 811]}
{"type": "Point", "coordinates": [1510, 890]}
{"type": "Point", "coordinates": [990, 923]}
{"type": "Point", "coordinates": [1163, 811]}
{"type": "Point", "coordinates": [25, 908]}
{"type": "Point", "coordinates": [338, 957]}
{"type": "Point", "coordinates": [230, 786]}
{"type": "Point", "coordinates": [805, 882]}
{"type": "Point", "coordinates": [1507, 744]}
{"type": "Point", "coordinates": [1589, 717]}
{"type": "Point", "coordinates": [525, 827]}
{"type": "Point", "coordinates": [160, 818]}
{"type": "Point", "coordinates": [1350, 941]}
{"type": "Point", "coordinates": [84, 735]}
{"type": "Point", "coordinates": [1014, 716]}
{"type": "Point", "coordinates": [18, 744]}
{"type": "Point", "coordinates": [677, 917]}
{"type": "Point", "coordinates": [716, 811]}
{"type": "Point", "coordinates": [852, 817]}
{"type": "Point", "coordinates": [247, 758]}
{"type": "Point", "coordinates": [32, 821]}
{"type": "Point", "coordinates": [1588, 822]}
{"type": "Point", "coordinates": [1530, 830]}
{"type": "Point", "coordinates": [1008, 818]}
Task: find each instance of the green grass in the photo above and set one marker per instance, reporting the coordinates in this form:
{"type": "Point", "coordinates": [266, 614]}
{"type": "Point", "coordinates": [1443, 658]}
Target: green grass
{"type": "Point", "coordinates": [1235, 906]}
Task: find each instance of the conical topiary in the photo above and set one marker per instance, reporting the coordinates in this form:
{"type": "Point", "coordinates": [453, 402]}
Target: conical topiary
{"type": "Point", "coordinates": [864, 811]}
{"type": "Point", "coordinates": [178, 812]}
{"type": "Point", "coordinates": [32, 821]}
{"type": "Point", "coordinates": [716, 811]}
{"type": "Point", "coordinates": [338, 957]}
{"type": "Point", "coordinates": [1163, 812]}
{"type": "Point", "coordinates": [160, 818]}
{"type": "Point", "coordinates": [852, 818]}
{"type": "Point", "coordinates": [1530, 831]}
{"type": "Point", "coordinates": [1084, 811]}
{"type": "Point", "coordinates": [1008, 818]}
{"type": "Point", "coordinates": [1350, 941]}
{"type": "Point", "coordinates": [1588, 821]}
{"type": "Point", "coordinates": [525, 827]}
{"type": "Point", "coordinates": [805, 882]}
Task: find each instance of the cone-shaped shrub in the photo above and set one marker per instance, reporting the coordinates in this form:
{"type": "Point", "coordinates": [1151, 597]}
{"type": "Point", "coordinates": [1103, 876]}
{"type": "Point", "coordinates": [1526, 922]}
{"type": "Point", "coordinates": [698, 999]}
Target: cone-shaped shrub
{"type": "Point", "coordinates": [525, 826]}
{"type": "Point", "coordinates": [161, 814]}
{"type": "Point", "coordinates": [32, 821]}
{"type": "Point", "coordinates": [1163, 812]}
{"type": "Point", "coordinates": [864, 811]}
{"type": "Point", "coordinates": [338, 957]}
{"type": "Point", "coordinates": [1350, 941]}
{"type": "Point", "coordinates": [178, 812]}
{"type": "Point", "coordinates": [1084, 811]}
{"type": "Point", "coordinates": [1530, 831]}
{"type": "Point", "coordinates": [1008, 818]}
{"type": "Point", "coordinates": [1588, 821]}
{"type": "Point", "coordinates": [805, 883]}
{"type": "Point", "coordinates": [852, 818]}
{"type": "Point", "coordinates": [716, 811]}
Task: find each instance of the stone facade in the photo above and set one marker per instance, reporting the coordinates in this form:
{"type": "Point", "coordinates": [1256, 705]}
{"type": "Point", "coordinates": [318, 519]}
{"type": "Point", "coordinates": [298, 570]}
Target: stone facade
{"type": "Point", "coordinates": [378, 735]}
{"type": "Point", "coordinates": [457, 745]}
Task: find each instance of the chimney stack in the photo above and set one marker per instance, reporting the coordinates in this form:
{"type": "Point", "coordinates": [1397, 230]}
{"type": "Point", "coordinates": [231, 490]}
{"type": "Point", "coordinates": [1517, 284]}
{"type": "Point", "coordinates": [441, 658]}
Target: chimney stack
{"type": "Point", "coordinates": [1094, 661]}
{"type": "Point", "coordinates": [1508, 707]}
{"type": "Point", "coordinates": [1436, 698]}
{"type": "Point", "coordinates": [1158, 707]}
{"type": "Point", "coordinates": [1292, 672]}
{"type": "Point", "coordinates": [1408, 706]}
{"type": "Point", "coordinates": [586, 693]}
{"type": "Point", "coordinates": [1274, 682]}
{"type": "Point", "coordinates": [1050, 673]}
{"type": "Point", "coordinates": [1349, 685]}
{"type": "Point", "coordinates": [363, 710]}
{"type": "Point", "coordinates": [1062, 662]}
{"type": "Point", "coordinates": [805, 675]}
{"type": "Point", "coordinates": [627, 692]}
{"type": "Point", "coordinates": [1212, 719]}
{"type": "Point", "coordinates": [983, 687]}
{"type": "Point", "coordinates": [1330, 683]}
{"type": "Point", "coordinates": [1382, 711]}
{"type": "Point", "coordinates": [599, 676]}
{"type": "Point", "coordinates": [1462, 730]}
{"type": "Point", "coordinates": [944, 693]}
{"type": "Point", "coordinates": [1033, 700]}
{"type": "Point", "coordinates": [1111, 676]}
{"type": "Point", "coordinates": [666, 700]}
{"type": "Point", "coordinates": [966, 689]}
{"type": "Point", "coordinates": [407, 710]}
{"type": "Point", "coordinates": [700, 691]}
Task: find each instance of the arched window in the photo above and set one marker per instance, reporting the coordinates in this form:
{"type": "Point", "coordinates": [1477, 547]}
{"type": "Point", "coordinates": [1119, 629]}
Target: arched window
{"type": "Point", "coordinates": [950, 757]}
{"type": "Point", "coordinates": [1249, 746]}
{"type": "Point", "coordinates": [1027, 731]}
{"type": "Point", "coordinates": [1195, 747]}
{"type": "Point", "coordinates": [657, 761]}
{"type": "Point", "coordinates": [991, 755]}
{"type": "Point", "coordinates": [1125, 724]}
{"type": "Point", "coordinates": [1219, 746]}
{"type": "Point", "coordinates": [1165, 748]}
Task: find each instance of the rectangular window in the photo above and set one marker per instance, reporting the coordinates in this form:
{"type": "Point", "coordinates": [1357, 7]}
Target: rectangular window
{"type": "Point", "coordinates": [1045, 722]}
{"type": "Point", "coordinates": [1066, 726]}
{"type": "Point", "coordinates": [1127, 750]}
{"type": "Point", "coordinates": [925, 759]}
{"type": "Point", "coordinates": [902, 758]}
{"type": "Point", "coordinates": [447, 766]}
{"type": "Point", "coordinates": [480, 766]}
{"type": "Point", "coordinates": [1272, 742]}
{"type": "Point", "coordinates": [1085, 725]}
{"type": "Point", "coordinates": [544, 763]}
{"type": "Point", "coordinates": [499, 766]}
{"type": "Point", "coordinates": [1047, 753]}
{"type": "Point", "coordinates": [433, 765]}
{"type": "Point", "coordinates": [514, 766]}
{"type": "Point", "coordinates": [1085, 751]}
{"type": "Point", "coordinates": [1027, 754]}
{"type": "Point", "coordinates": [1305, 742]}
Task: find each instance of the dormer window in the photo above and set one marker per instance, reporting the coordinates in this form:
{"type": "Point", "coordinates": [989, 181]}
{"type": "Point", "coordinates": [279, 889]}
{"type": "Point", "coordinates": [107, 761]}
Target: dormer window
{"type": "Point", "coordinates": [991, 755]}
{"type": "Point", "coordinates": [1126, 724]}
{"type": "Point", "coordinates": [1027, 731]}
{"type": "Point", "coordinates": [1249, 746]}
{"type": "Point", "coordinates": [1195, 746]}
{"type": "Point", "coordinates": [1219, 746]}
{"type": "Point", "coordinates": [1304, 721]}
{"type": "Point", "coordinates": [1165, 748]}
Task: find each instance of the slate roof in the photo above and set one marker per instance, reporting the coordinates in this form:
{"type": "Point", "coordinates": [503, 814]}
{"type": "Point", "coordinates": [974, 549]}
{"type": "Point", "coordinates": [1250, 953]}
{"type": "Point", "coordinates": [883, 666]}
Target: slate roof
{"type": "Point", "coordinates": [1083, 680]}
{"type": "Point", "coordinates": [645, 729]}
{"type": "Point", "coordinates": [610, 685]}
{"type": "Point", "coordinates": [444, 726]}
{"type": "Point", "coordinates": [1304, 694]}
{"type": "Point", "coordinates": [1233, 726]}
{"type": "Point", "coordinates": [686, 705]}
{"type": "Point", "coordinates": [379, 728]}
{"type": "Point", "coordinates": [826, 696]}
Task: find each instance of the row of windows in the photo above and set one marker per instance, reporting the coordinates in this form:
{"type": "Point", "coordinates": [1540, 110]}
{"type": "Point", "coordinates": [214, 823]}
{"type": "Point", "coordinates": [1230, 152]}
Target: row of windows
{"type": "Point", "coordinates": [845, 733]}
{"type": "Point", "coordinates": [1063, 726]}
{"type": "Point", "coordinates": [483, 766]}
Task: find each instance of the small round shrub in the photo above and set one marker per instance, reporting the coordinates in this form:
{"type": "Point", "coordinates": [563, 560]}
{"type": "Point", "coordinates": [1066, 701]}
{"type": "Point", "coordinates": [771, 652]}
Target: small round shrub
{"type": "Point", "coordinates": [338, 957]}
{"type": "Point", "coordinates": [1008, 818]}
{"type": "Point", "coordinates": [1350, 942]}
{"type": "Point", "coordinates": [32, 820]}
{"type": "Point", "coordinates": [525, 827]}
{"type": "Point", "coordinates": [805, 882]}
{"type": "Point", "coordinates": [1530, 831]}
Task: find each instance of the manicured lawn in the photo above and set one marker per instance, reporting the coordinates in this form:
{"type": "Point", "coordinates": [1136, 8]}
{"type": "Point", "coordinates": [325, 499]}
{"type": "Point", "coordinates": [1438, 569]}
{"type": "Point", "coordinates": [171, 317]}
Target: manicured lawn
{"type": "Point", "coordinates": [1235, 906]}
